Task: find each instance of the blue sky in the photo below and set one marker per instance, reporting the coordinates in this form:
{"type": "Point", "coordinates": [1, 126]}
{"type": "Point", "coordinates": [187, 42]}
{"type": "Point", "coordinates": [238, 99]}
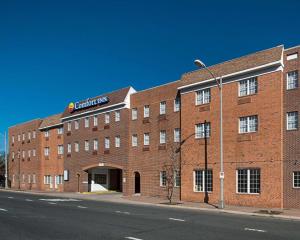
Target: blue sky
{"type": "Point", "coordinates": [54, 52]}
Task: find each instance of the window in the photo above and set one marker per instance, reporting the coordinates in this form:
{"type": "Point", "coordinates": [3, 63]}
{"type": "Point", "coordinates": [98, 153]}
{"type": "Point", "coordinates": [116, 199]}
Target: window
{"type": "Point", "coordinates": [47, 134]}
{"type": "Point", "coordinates": [296, 177]}
{"type": "Point", "coordinates": [134, 114]}
{"type": "Point", "coordinates": [60, 131]}
{"type": "Point", "coordinates": [292, 80]}
{"type": "Point", "coordinates": [13, 155]}
{"type": "Point", "coordinates": [33, 179]}
{"type": "Point", "coordinates": [69, 148]}
{"type": "Point", "coordinates": [95, 120]}
{"type": "Point", "coordinates": [60, 149]}
{"type": "Point", "coordinates": [248, 124]}
{"type": "Point", "coordinates": [177, 105]}
{"type": "Point", "coordinates": [23, 178]}
{"type": "Point", "coordinates": [47, 179]}
{"type": "Point", "coordinates": [162, 137]}
{"type": "Point", "coordinates": [200, 130]}
{"type": "Point", "coordinates": [95, 144]}
{"type": "Point", "coordinates": [117, 141]}
{"type": "Point", "coordinates": [203, 96]}
{"type": "Point", "coordinates": [76, 123]}
{"type": "Point", "coordinates": [76, 146]}
{"type": "Point", "coordinates": [248, 87]}
{"type": "Point", "coordinates": [33, 134]}
{"type": "Point", "coordinates": [248, 181]}
{"type": "Point", "coordinates": [106, 142]}
{"type": "Point", "coordinates": [146, 139]}
{"type": "Point", "coordinates": [19, 138]}
{"type": "Point", "coordinates": [69, 126]}
{"type": "Point", "coordinates": [146, 111]}
{"type": "Point", "coordinates": [86, 145]}
{"type": "Point", "coordinates": [177, 135]}
{"type": "Point", "coordinates": [13, 139]}
{"type": "Point", "coordinates": [163, 178]}
{"type": "Point", "coordinates": [292, 56]}
{"type": "Point", "coordinates": [292, 120]}
{"type": "Point", "coordinates": [106, 118]}
{"type": "Point", "coordinates": [29, 135]}
{"type": "Point", "coordinates": [134, 140]}
{"type": "Point", "coordinates": [59, 179]}
{"type": "Point", "coordinates": [162, 108]}
{"type": "Point", "coordinates": [29, 178]}
{"type": "Point", "coordinates": [203, 180]}
{"type": "Point", "coordinates": [87, 122]}
{"type": "Point", "coordinates": [29, 153]}
{"type": "Point", "coordinates": [177, 180]}
{"type": "Point", "coordinates": [23, 137]}
{"type": "Point", "coordinates": [33, 152]}
{"type": "Point", "coordinates": [117, 116]}
{"type": "Point", "coordinates": [23, 154]}
{"type": "Point", "coordinates": [46, 151]}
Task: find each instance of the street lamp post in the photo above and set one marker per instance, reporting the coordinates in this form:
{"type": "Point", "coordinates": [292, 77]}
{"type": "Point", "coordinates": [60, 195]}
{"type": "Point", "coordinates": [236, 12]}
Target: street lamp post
{"type": "Point", "coordinates": [219, 82]}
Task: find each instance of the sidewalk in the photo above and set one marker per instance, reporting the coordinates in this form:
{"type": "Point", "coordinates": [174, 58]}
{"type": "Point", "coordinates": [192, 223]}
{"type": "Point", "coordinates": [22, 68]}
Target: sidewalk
{"type": "Point", "coordinates": [292, 214]}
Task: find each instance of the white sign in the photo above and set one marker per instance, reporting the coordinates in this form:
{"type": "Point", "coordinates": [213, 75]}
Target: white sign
{"type": "Point", "coordinates": [221, 175]}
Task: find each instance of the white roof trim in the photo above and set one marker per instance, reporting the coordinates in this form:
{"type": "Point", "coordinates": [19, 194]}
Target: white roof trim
{"type": "Point", "coordinates": [95, 110]}
{"type": "Point", "coordinates": [50, 126]}
{"type": "Point", "coordinates": [232, 74]}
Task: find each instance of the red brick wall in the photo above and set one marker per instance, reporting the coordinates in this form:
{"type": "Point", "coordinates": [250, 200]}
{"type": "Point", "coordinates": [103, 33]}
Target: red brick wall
{"type": "Point", "coordinates": [27, 166]}
{"type": "Point", "coordinates": [291, 138]}
{"type": "Point", "coordinates": [260, 150]}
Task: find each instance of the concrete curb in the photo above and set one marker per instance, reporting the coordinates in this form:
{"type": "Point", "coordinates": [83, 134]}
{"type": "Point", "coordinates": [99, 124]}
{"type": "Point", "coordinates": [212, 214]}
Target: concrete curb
{"type": "Point", "coordinates": [132, 202]}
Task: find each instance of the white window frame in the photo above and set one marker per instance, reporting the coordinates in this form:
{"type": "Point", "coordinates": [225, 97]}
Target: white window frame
{"type": "Point", "coordinates": [69, 126]}
{"type": "Point", "coordinates": [19, 137]}
{"type": "Point", "coordinates": [60, 131]}
{"type": "Point", "coordinates": [76, 147]}
{"type": "Point", "coordinates": [248, 119]}
{"type": "Point", "coordinates": [69, 148]}
{"type": "Point", "coordinates": [134, 114]}
{"type": "Point", "coordinates": [117, 141]}
{"type": "Point", "coordinates": [176, 176]}
{"type": "Point", "coordinates": [46, 151]}
{"type": "Point", "coordinates": [29, 135]}
{"type": "Point", "coordinates": [162, 137]}
{"type": "Point", "coordinates": [86, 145]}
{"type": "Point", "coordinates": [292, 80]}
{"type": "Point", "coordinates": [296, 122]}
{"type": "Point", "coordinates": [177, 134]}
{"type": "Point", "coordinates": [162, 175]}
{"type": "Point", "coordinates": [146, 111]}
{"type": "Point", "coordinates": [146, 139]}
{"type": "Point", "coordinates": [76, 124]}
{"type": "Point", "coordinates": [117, 116]}
{"type": "Point", "coordinates": [86, 122]}
{"type": "Point", "coordinates": [47, 133]}
{"type": "Point", "coordinates": [96, 144]}
{"type": "Point", "coordinates": [33, 134]}
{"type": "Point", "coordinates": [162, 107]}
{"type": "Point", "coordinates": [203, 180]}
{"type": "Point", "coordinates": [248, 181]}
{"type": "Point", "coordinates": [248, 86]}
{"type": "Point", "coordinates": [95, 120]}
{"type": "Point", "coordinates": [60, 149]}
{"type": "Point", "coordinates": [33, 152]}
{"type": "Point", "coordinates": [134, 140]}
{"type": "Point", "coordinates": [106, 143]}
{"type": "Point", "coordinates": [106, 118]}
{"type": "Point", "coordinates": [13, 139]}
{"type": "Point", "coordinates": [297, 187]}
{"type": "Point", "coordinates": [29, 153]}
{"type": "Point", "coordinates": [201, 97]}
{"type": "Point", "coordinates": [200, 128]}
{"type": "Point", "coordinates": [177, 104]}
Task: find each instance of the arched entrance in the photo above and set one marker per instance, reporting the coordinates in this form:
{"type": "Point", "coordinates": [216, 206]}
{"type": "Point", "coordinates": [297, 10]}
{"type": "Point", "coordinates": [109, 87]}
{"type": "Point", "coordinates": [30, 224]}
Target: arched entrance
{"type": "Point", "coordinates": [137, 182]}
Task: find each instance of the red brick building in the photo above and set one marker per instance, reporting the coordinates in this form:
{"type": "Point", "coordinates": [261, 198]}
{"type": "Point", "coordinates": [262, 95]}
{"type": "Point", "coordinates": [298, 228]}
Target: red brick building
{"type": "Point", "coordinates": [137, 142]}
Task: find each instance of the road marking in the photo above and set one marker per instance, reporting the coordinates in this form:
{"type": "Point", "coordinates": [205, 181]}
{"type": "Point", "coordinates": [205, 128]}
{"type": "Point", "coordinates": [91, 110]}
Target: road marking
{"type": "Point", "coordinates": [10, 197]}
{"type": "Point", "coordinates": [52, 203]}
{"type": "Point", "coordinates": [122, 212]}
{"type": "Point", "coordinates": [28, 200]}
{"type": "Point", "coordinates": [81, 207]}
{"type": "Point", "coordinates": [3, 210]}
{"type": "Point", "coordinates": [60, 200]}
{"type": "Point", "coordinates": [133, 238]}
{"type": "Point", "coordinates": [177, 219]}
{"type": "Point", "coordinates": [254, 230]}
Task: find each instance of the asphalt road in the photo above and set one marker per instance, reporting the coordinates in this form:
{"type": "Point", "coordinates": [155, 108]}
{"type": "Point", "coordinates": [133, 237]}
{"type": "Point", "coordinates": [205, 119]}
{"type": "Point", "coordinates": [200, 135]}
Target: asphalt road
{"type": "Point", "coordinates": [24, 216]}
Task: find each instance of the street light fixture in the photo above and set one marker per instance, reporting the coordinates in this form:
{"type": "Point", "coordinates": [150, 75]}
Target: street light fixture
{"type": "Point", "coordinates": [219, 82]}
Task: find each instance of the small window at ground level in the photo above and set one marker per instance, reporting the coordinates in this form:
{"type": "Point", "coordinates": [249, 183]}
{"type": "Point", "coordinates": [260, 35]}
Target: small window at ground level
{"type": "Point", "coordinates": [296, 181]}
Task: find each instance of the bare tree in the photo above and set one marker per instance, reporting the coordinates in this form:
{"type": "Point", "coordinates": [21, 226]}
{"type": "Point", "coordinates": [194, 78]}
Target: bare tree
{"type": "Point", "coordinates": [170, 169]}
